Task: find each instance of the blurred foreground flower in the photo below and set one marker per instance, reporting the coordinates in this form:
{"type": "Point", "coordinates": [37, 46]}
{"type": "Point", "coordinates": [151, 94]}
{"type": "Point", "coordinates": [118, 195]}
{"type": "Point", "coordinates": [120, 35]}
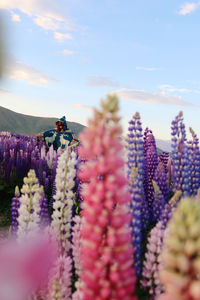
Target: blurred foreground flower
{"type": "Point", "coordinates": [181, 257]}
{"type": "Point", "coordinates": [25, 266]}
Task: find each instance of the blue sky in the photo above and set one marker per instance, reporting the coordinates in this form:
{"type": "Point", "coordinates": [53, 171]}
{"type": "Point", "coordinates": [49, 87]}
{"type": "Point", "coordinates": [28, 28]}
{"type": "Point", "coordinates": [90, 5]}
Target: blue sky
{"type": "Point", "coordinates": [62, 57]}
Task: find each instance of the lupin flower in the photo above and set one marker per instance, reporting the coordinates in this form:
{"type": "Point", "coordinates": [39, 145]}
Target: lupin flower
{"type": "Point", "coordinates": [181, 258]}
{"type": "Point", "coordinates": [107, 253]}
{"type": "Point", "coordinates": [14, 211]}
{"type": "Point", "coordinates": [76, 244]}
{"type": "Point", "coordinates": [59, 286]}
{"type": "Point", "coordinates": [194, 159]}
{"type": "Point", "coordinates": [76, 252]}
{"type": "Point", "coordinates": [62, 214]}
{"type": "Point", "coordinates": [151, 163]}
{"type": "Point", "coordinates": [28, 220]}
{"type": "Point", "coordinates": [158, 202]}
{"type": "Point", "coordinates": [169, 208]}
{"type": "Point", "coordinates": [136, 222]}
{"type": "Point", "coordinates": [78, 294]}
{"type": "Point", "coordinates": [152, 261]}
{"type": "Point", "coordinates": [160, 176]}
{"type": "Point", "coordinates": [44, 212]}
{"type": "Point", "coordinates": [180, 158]}
{"type": "Point", "coordinates": [164, 158]}
{"type": "Point", "coordinates": [135, 147]}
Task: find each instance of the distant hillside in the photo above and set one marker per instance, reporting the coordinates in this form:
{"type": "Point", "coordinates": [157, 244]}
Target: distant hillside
{"type": "Point", "coordinates": [29, 125]}
{"type": "Point", "coordinates": [165, 145]}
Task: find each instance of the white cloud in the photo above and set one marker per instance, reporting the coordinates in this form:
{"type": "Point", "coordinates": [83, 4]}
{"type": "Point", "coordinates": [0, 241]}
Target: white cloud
{"type": "Point", "coordinates": [167, 88]}
{"type": "Point", "coordinates": [67, 52]}
{"type": "Point", "coordinates": [188, 8]}
{"type": "Point", "coordinates": [46, 23]}
{"type": "Point", "coordinates": [147, 69]}
{"type": "Point", "coordinates": [3, 91]}
{"type": "Point", "coordinates": [101, 81]}
{"type": "Point", "coordinates": [152, 98]}
{"type": "Point", "coordinates": [82, 106]}
{"type": "Point", "coordinates": [15, 17]}
{"type": "Point", "coordinates": [171, 89]}
{"type": "Point", "coordinates": [62, 36]}
{"type": "Point", "coordinates": [48, 14]}
{"type": "Point", "coordinates": [20, 71]}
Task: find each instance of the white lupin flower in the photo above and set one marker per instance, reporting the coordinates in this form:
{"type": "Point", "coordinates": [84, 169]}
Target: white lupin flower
{"type": "Point", "coordinates": [62, 215]}
{"type": "Point", "coordinates": [28, 220]}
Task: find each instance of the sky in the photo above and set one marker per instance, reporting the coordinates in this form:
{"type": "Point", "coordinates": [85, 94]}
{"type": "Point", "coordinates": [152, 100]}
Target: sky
{"type": "Point", "coordinates": [63, 57]}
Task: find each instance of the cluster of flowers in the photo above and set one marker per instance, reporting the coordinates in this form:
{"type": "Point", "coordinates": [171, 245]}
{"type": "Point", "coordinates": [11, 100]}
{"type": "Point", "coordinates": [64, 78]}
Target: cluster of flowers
{"type": "Point", "coordinates": [137, 234]}
{"type": "Point", "coordinates": [19, 154]}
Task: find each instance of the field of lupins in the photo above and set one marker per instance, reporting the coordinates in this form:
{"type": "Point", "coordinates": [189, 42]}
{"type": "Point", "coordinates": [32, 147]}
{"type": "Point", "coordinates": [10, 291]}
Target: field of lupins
{"type": "Point", "coordinates": [87, 224]}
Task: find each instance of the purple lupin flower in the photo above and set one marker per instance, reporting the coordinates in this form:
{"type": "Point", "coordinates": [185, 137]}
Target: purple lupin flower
{"type": "Point", "coordinates": [158, 202]}
{"type": "Point", "coordinates": [136, 224]}
{"type": "Point", "coordinates": [77, 191]}
{"type": "Point", "coordinates": [164, 158]}
{"type": "Point", "coordinates": [194, 159]}
{"type": "Point", "coordinates": [161, 179]}
{"type": "Point", "coordinates": [14, 212]}
{"type": "Point", "coordinates": [44, 212]}
{"type": "Point", "coordinates": [51, 201]}
{"type": "Point", "coordinates": [135, 147]}
{"type": "Point", "coordinates": [168, 209]}
{"type": "Point", "coordinates": [151, 163]}
{"type": "Point", "coordinates": [180, 157]}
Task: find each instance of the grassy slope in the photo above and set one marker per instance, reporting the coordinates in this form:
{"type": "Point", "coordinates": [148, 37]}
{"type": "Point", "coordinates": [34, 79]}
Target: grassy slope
{"type": "Point", "coordinates": [29, 125]}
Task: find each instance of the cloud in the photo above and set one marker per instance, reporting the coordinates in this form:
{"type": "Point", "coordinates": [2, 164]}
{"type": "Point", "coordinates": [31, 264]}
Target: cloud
{"type": "Point", "coordinates": [3, 91]}
{"type": "Point", "coordinates": [48, 14]}
{"type": "Point", "coordinates": [67, 52]}
{"type": "Point", "coordinates": [46, 23]}
{"type": "Point", "coordinates": [62, 36]}
{"type": "Point", "coordinates": [188, 8]}
{"type": "Point", "coordinates": [171, 89]}
{"type": "Point", "coordinates": [152, 98]}
{"type": "Point", "coordinates": [147, 69]}
{"type": "Point", "coordinates": [15, 17]}
{"type": "Point", "coordinates": [101, 81]}
{"type": "Point", "coordinates": [20, 71]}
{"type": "Point", "coordinates": [82, 106]}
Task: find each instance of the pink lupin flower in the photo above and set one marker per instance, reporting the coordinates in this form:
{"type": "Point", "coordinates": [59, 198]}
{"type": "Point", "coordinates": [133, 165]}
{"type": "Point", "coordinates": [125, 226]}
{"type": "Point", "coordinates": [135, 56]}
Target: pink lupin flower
{"type": "Point", "coordinates": [76, 244]}
{"type": "Point", "coordinates": [152, 263]}
{"type": "Point", "coordinates": [60, 279]}
{"type": "Point", "coordinates": [107, 253]}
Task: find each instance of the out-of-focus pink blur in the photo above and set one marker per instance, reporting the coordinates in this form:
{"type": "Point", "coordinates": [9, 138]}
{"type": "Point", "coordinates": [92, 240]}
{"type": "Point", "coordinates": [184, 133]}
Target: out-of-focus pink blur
{"type": "Point", "coordinates": [25, 267]}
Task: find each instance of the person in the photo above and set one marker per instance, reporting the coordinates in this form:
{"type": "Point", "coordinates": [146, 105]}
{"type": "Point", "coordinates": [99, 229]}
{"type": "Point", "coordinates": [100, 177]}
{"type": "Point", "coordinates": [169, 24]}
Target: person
{"type": "Point", "coordinates": [59, 137]}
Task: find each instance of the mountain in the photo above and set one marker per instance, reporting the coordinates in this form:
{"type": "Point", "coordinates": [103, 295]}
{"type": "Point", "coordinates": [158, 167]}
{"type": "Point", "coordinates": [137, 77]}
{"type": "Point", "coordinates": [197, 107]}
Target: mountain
{"type": "Point", "coordinates": [30, 125]}
{"type": "Point", "coordinates": [165, 145]}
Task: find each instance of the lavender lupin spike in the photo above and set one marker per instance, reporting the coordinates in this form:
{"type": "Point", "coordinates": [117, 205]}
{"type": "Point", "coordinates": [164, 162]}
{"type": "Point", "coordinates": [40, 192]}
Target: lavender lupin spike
{"type": "Point", "coordinates": [164, 158]}
{"type": "Point", "coordinates": [151, 163]}
{"type": "Point", "coordinates": [14, 212]}
{"type": "Point", "coordinates": [160, 176]}
{"type": "Point", "coordinates": [180, 158]}
{"type": "Point", "coordinates": [44, 212]}
{"type": "Point", "coordinates": [194, 159]}
{"type": "Point", "coordinates": [137, 224]}
{"type": "Point", "coordinates": [169, 208]}
{"type": "Point", "coordinates": [135, 146]}
{"type": "Point", "coordinates": [158, 203]}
